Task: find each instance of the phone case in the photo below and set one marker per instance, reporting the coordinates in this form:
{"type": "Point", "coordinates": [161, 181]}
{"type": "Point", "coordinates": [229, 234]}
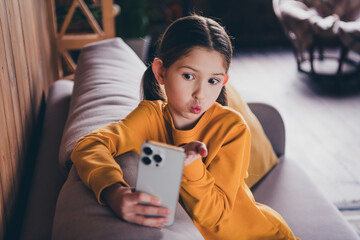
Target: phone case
{"type": "Point", "coordinates": [160, 172]}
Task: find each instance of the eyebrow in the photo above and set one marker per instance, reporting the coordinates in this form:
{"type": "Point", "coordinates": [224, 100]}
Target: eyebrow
{"type": "Point", "coordinates": [195, 70]}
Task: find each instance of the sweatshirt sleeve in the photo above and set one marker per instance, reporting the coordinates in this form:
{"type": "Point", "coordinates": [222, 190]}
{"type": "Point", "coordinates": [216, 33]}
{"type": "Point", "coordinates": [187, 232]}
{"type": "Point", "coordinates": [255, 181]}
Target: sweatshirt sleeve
{"type": "Point", "coordinates": [93, 154]}
{"type": "Point", "coordinates": [208, 193]}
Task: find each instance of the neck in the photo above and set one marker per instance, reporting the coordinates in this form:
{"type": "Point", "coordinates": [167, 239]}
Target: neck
{"type": "Point", "coordinates": [182, 123]}
{"type": "Point", "coordinates": [185, 125]}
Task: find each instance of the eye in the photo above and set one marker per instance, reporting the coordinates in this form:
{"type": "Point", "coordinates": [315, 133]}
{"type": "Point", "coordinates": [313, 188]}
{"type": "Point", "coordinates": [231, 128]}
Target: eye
{"type": "Point", "coordinates": [188, 76]}
{"type": "Point", "coordinates": [213, 81]}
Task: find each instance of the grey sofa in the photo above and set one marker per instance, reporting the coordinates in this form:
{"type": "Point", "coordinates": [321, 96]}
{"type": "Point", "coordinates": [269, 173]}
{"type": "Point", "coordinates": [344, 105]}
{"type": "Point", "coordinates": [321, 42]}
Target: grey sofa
{"type": "Point", "coordinates": [61, 207]}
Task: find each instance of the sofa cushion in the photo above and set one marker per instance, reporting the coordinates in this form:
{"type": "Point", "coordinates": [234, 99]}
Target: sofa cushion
{"type": "Point", "coordinates": [289, 190]}
{"type": "Point", "coordinates": [106, 89]}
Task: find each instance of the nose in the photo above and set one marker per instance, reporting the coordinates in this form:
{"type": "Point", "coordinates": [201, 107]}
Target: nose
{"type": "Point", "coordinates": [199, 91]}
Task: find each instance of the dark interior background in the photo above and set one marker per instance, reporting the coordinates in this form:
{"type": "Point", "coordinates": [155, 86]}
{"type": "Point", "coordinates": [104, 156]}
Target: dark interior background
{"type": "Point", "coordinates": [251, 23]}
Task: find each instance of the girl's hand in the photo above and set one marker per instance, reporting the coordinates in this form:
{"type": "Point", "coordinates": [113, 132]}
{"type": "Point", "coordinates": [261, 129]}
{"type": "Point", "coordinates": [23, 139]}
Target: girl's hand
{"type": "Point", "coordinates": [125, 201]}
{"type": "Point", "coordinates": [194, 150]}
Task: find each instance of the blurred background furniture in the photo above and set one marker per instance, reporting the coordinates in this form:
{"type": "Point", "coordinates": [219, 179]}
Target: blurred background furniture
{"type": "Point", "coordinates": [102, 26]}
{"type": "Point", "coordinates": [324, 35]}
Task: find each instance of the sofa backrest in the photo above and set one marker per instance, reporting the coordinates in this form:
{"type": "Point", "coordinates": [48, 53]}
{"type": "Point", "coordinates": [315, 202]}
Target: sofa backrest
{"type": "Point", "coordinates": [104, 68]}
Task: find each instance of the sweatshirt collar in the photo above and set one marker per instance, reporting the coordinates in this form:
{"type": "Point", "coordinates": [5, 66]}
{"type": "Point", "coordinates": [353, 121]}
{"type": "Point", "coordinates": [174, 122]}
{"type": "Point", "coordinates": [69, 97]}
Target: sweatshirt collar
{"type": "Point", "coordinates": [191, 132]}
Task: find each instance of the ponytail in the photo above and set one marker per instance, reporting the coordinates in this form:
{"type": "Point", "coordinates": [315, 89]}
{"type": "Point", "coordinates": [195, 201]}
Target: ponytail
{"type": "Point", "coordinates": [222, 99]}
{"type": "Point", "coordinates": [150, 89]}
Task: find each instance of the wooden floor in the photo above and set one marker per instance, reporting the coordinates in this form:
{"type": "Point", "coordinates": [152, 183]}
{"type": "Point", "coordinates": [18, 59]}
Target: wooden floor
{"type": "Point", "coordinates": [322, 124]}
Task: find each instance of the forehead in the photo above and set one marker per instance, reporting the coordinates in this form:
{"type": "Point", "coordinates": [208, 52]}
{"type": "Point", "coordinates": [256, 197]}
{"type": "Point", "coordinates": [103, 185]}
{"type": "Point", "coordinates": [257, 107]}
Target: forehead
{"type": "Point", "coordinates": [203, 58]}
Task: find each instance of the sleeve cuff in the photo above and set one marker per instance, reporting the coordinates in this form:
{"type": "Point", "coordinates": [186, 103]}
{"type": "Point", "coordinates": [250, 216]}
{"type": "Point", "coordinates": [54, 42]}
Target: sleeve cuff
{"type": "Point", "coordinates": [194, 171]}
{"type": "Point", "coordinates": [103, 178]}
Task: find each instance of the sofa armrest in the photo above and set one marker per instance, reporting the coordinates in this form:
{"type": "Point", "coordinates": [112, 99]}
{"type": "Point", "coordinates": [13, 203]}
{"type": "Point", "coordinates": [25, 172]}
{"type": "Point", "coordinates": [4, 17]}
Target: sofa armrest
{"type": "Point", "coordinates": [272, 124]}
{"type": "Point", "coordinates": [47, 178]}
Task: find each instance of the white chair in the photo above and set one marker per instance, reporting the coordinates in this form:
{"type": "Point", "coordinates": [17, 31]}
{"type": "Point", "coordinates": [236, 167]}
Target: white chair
{"type": "Point", "coordinates": [322, 33]}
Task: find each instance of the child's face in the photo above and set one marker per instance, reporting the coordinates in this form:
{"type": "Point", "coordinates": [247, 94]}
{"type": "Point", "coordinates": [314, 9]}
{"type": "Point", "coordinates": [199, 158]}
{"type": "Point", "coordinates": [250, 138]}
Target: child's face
{"type": "Point", "coordinates": [192, 85]}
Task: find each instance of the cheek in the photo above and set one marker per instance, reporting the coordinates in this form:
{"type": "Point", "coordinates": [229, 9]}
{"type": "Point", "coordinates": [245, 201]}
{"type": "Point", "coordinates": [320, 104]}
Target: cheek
{"type": "Point", "coordinates": [216, 92]}
{"type": "Point", "coordinates": [175, 92]}
{"type": "Point", "coordinates": [176, 87]}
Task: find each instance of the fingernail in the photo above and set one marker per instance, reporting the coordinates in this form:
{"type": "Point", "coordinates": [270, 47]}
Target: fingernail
{"type": "Point", "coordinates": [156, 201]}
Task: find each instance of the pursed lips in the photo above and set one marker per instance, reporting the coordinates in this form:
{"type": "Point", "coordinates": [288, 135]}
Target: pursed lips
{"type": "Point", "coordinates": [195, 109]}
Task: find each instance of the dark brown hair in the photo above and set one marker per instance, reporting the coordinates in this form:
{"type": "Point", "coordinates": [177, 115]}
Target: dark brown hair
{"type": "Point", "coordinates": [178, 40]}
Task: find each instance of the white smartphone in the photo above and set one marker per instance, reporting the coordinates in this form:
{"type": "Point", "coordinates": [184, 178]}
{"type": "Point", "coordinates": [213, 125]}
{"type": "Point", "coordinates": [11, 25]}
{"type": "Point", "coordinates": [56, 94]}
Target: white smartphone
{"type": "Point", "coordinates": [160, 172]}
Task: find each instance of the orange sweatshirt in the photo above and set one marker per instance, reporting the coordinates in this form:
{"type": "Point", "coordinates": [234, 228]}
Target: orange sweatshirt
{"type": "Point", "coordinates": [213, 191]}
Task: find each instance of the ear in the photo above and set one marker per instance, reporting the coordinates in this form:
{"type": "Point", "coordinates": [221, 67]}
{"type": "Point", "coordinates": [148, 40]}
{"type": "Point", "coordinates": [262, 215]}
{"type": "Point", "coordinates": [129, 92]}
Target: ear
{"type": "Point", "coordinates": [158, 70]}
{"type": "Point", "coordinates": [226, 78]}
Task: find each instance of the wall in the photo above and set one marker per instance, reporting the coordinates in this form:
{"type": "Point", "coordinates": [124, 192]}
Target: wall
{"type": "Point", "coordinates": [252, 23]}
{"type": "Point", "coordinates": [28, 65]}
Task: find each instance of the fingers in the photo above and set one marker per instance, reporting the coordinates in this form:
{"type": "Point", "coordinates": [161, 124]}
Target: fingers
{"type": "Point", "coordinates": [148, 221]}
{"type": "Point", "coordinates": [202, 150]}
{"type": "Point", "coordinates": [192, 153]}
{"type": "Point", "coordinates": [137, 207]}
{"type": "Point", "coordinates": [149, 210]}
{"type": "Point", "coordinates": [196, 147]}
{"type": "Point", "coordinates": [138, 213]}
{"type": "Point", "coordinates": [194, 150]}
{"type": "Point", "coordinates": [140, 197]}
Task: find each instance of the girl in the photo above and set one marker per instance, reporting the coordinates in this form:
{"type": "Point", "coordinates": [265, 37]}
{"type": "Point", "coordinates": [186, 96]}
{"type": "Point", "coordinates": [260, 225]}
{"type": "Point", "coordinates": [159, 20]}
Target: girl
{"type": "Point", "coordinates": [184, 92]}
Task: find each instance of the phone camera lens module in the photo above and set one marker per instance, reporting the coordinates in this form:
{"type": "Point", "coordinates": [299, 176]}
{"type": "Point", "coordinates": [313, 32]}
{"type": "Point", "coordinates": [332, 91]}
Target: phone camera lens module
{"type": "Point", "coordinates": [146, 160]}
{"type": "Point", "coordinates": [157, 158]}
{"type": "Point", "coordinates": [147, 150]}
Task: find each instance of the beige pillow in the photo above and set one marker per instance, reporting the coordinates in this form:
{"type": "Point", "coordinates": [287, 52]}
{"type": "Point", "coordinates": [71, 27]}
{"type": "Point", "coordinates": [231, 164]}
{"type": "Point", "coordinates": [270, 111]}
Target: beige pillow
{"type": "Point", "coordinates": [262, 155]}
